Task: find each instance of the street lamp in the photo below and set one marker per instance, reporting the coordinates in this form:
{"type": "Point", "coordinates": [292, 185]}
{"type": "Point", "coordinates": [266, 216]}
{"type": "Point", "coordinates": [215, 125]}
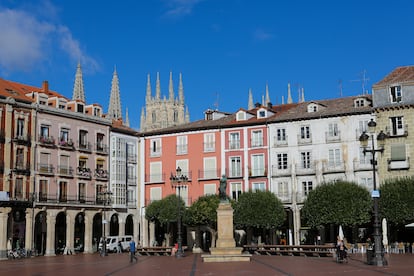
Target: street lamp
{"type": "Point", "coordinates": [178, 182]}
{"type": "Point", "coordinates": [378, 258]}
{"type": "Point", "coordinates": [106, 197]}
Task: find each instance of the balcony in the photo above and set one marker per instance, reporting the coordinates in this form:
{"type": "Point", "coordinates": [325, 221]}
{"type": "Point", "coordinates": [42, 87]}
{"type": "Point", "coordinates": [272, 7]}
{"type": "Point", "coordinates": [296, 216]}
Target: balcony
{"type": "Point", "coordinates": [281, 171]}
{"type": "Point", "coordinates": [338, 167]}
{"type": "Point", "coordinates": [234, 145]}
{"type": "Point", "coordinates": [256, 143]}
{"type": "Point", "coordinates": [155, 178]}
{"type": "Point", "coordinates": [47, 141]}
{"type": "Point", "coordinates": [101, 174]}
{"type": "Point", "coordinates": [285, 197]}
{"type": "Point", "coordinates": [132, 180]}
{"type": "Point", "coordinates": [67, 145]}
{"type": "Point", "coordinates": [101, 149]}
{"type": "Point", "coordinates": [401, 132]}
{"type": "Point", "coordinates": [398, 164]}
{"type": "Point", "coordinates": [45, 169]}
{"type": "Point", "coordinates": [21, 169]}
{"type": "Point", "coordinates": [306, 169]}
{"type": "Point", "coordinates": [84, 173]}
{"type": "Point", "coordinates": [279, 142]}
{"type": "Point", "coordinates": [257, 172]}
{"type": "Point", "coordinates": [362, 166]}
{"type": "Point", "coordinates": [54, 199]}
{"type": "Point", "coordinates": [132, 158]}
{"type": "Point", "coordinates": [155, 152]}
{"type": "Point", "coordinates": [209, 174]}
{"type": "Point", "coordinates": [182, 149]}
{"type": "Point", "coordinates": [85, 147]}
{"type": "Point", "coordinates": [333, 137]}
{"type": "Point", "coordinates": [25, 140]}
{"type": "Point", "coordinates": [234, 173]}
{"type": "Point", "coordinates": [65, 171]}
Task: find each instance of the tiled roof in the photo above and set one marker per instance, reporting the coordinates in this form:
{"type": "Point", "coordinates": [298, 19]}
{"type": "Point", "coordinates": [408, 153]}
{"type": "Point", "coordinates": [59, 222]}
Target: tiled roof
{"type": "Point", "coordinates": [330, 108]}
{"type": "Point", "coordinates": [399, 75]}
{"type": "Point", "coordinates": [16, 90]}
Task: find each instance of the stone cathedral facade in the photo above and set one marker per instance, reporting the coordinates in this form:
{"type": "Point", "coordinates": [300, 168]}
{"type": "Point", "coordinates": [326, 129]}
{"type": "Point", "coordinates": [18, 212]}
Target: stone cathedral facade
{"type": "Point", "coordinates": [160, 111]}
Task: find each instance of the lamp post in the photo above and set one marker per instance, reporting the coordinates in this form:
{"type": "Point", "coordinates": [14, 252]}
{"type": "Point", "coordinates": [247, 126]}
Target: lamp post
{"type": "Point", "coordinates": [179, 182]}
{"type": "Point", "coordinates": [106, 196]}
{"type": "Point", "coordinates": [378, 259]}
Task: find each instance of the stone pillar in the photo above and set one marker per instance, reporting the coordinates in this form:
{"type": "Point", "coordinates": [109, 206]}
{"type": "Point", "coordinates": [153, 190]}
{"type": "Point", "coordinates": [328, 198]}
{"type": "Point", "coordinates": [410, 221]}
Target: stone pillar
{"type": "Point", "coordinates": [121, 222]}
{"type": "Point", "coordinates": [152, 237]}
{"type": "Point", "coordinates": [70, 231]}
{"type": "Point", "coordinates": [4, 214]}
{"type": "Point", "coordinates": [88, 246]}
{"type": "Point", "coordinates": [28, 239]}
{"type": "Point", "coordinates": [225, 226]}
{"type": "Point", "coordinates": [144, 231]}
{"type": "Point", "coordinates": [50, 234]}
{"type": "Point", "coordinates": [296, 224]}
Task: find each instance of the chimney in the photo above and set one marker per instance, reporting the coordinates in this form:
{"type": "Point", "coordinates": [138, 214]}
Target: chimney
{"type": "Point", "coordinates": [45, 86]}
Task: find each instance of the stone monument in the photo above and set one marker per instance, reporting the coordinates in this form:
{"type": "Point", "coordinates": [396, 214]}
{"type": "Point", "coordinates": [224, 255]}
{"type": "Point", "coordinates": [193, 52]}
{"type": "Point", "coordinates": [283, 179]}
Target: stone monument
{"type": "Point", "coordinates": [225, 250]}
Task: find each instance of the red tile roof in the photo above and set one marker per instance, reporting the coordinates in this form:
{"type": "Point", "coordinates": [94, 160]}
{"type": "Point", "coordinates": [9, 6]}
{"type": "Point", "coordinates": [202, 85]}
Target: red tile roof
{"type": "Point", "coordinates": [399, 75]}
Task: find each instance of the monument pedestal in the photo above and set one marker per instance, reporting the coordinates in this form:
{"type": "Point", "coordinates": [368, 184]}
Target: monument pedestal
{"type": "Point", "coordinates": [225, 250]}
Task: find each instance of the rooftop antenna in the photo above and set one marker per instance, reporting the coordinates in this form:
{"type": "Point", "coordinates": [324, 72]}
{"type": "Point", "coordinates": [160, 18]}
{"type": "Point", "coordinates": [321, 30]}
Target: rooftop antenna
{"type": "Point", "coordinates": [216, 103]}
{"type": "Point", "coordinates": [363, 81]}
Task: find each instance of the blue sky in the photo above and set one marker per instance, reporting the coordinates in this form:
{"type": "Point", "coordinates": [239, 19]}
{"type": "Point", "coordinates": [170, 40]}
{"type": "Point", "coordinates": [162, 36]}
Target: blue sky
{"type": "Point", "coordinates": [223, 48]}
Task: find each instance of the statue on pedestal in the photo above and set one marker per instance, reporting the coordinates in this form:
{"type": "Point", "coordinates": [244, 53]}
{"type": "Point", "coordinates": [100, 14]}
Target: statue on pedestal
{"type": "Point", "coordinates": [222, 189]}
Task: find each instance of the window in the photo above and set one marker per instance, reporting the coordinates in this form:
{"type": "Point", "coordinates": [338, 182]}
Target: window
{"type": "Point", "coordinates": [398, 152]}
{"type": "Point", "coordinates": [282, 161]}
{"type": "Point", "coordinates": [209, 142]}
{"type": "Point", "coordinates": [18, 188]}
{"type": "Point", "coordinates": [333, 130]}
{"type": "Point", "coordinates": [359, 103]}
{"type": "Point", "coordinates": [235, 167]}
{"type": "Point", "coordinates": [20, 128]}
{"type": "Point", "coordinates": [100, 141]}
{"type": "Point", "coordinates": [210, 189]}
{"type": "Point", "coordinates": [182, 146]}
{"type": "Point", "coordinates": [210, 168]}
{"type": "Point", "coordinates": [305, 158]}
{"type": "Point", "coordinates": [367, 183]}
{"type": "Point", "coordinates": [281, 134]}
{"type": "Point", "coordinates": [44, 162]}
{"type": "Point", "coordinates": [82, 192]}
{"type": "Point", "coordinates": [42, 190]}
{"type": "Point", "coordinates": [334, 157]}
{"type": "Point", "coordinates": [83, 138]}
{"type": "Point", "coordinates": [155, 147]}
{"type": "Point", "coordinates": [364, 159]}
{"type": "Point", "coordinates": [64, 135]}
{"type": "Point", "coordinates": [258, 165]}
{"type": "Point", "coordinates": [362, 127]}
{"type": "Point", "coordinates": [154, 117]}
{"type": "Point", "coordinates": [44, 131]}
{"type": "Point", "coordinates": [155, 172]}
{"type": "Point", "coordinates": [20, 159]}
{"type": "Point", "coordinates": [64, 165]}
{"type": "Point", "coordinates": [257, 138]}
{"type": "Point", "coordinates": [262, 114]}
{"type": "Point", "coordinates": [305, 132]}
{"type": "Point", "coordinates": [283, 189]}
{"type": "Point", "coordinates": [63, 185]}
{"type": "Point", "coordinates": [155, 193]}
{"type": "Point", "coordinates": [395, 93]}
{"type": "Point", "coordinates": [234, 140]}
{"type": "Point", "coordinates": [236, 190]}
{"type": "Point", "coordinates": [307, 187]}
{"type": "Point", "coordinates": [260, 186]}
{"type": "Point", "coordinates": [397, 126]}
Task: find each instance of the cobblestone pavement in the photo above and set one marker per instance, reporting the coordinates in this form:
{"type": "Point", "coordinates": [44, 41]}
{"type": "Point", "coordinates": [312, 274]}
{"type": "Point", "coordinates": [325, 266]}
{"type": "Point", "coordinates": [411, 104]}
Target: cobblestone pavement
{"type": "Point", "coordinates": [193, 265]}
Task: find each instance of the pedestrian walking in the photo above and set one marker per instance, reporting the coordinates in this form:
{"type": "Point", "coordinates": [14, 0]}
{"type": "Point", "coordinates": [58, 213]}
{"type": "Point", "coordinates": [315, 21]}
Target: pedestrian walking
{"type": "Point", "coordinates": [132, 252]}
{"type": "Point", "coordinates": [119, 247]}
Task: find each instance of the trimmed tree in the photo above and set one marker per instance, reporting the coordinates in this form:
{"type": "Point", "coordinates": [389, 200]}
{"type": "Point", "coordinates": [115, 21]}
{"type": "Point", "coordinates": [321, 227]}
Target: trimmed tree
{"type": "Point", "coordinates": [260, 209]}
{"type": "Point", "coordinates": [165, 212]}
{"type": "Point", "coordinates": [203, 212]}
{"type": "Point", "coordinates": [340, 203]}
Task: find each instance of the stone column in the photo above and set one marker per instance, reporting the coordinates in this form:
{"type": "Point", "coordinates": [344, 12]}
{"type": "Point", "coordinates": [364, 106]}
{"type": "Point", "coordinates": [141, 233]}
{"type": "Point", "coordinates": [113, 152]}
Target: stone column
{"type": "Point", "coordinates": [296, 224]}
{"type": "Point", "coordinates": [28, 239]}
{"type": "Point", "coordinates": [88, 246]}
{"type": "Point", "coordinates": [121, 222]}
{"type": "Point", "coordinates": [50, 234]}
{"type": "Point", "coordinates": [144, 231]}
{"type": "Point", "coordinates": [70, 231]}
{"type": "Point", "coordinates": [4, 214]}
{"type": "Point", "coordinates": [152, 237]}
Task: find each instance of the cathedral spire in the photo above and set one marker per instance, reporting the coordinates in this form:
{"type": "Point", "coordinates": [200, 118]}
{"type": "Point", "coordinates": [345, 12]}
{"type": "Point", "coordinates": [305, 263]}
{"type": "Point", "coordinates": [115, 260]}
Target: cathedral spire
{"type": "Point", "coordinates": [289, 99]}
{"type": "Point", "coordinates": [302, 98]}
{"type": "Point", "coordinates": [148, 96]}
{"type": "Point", "coordinates": [171, 88]}
{"type": "Point", "coordinates": [158, 87]}
{"type": "Point", "coordinates": [78, 90]}
{"type": "Point", "coordinates": [250, 104]}
{"type": "Point", "coordinates": [267, 101]}
{"type": "Point", "coordinates": [181, 90]}
{"type": "Point", "coordinates": [114, 110]}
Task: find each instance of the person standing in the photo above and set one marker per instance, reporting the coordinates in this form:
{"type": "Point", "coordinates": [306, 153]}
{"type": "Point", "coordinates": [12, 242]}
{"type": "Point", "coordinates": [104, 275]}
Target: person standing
{"type": "Point", "coordinates": [132, 252]}
{"type": "Point", "coordinates": [119, 247]}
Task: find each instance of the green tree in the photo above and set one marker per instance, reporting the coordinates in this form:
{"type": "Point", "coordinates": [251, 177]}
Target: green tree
{"type": "Point", "coordinates": [396, 202]}
{"type": "Point", "coordinates": [165, 212]}
{"type": "Point", "coordinates": [340, 203]}
{"type": "Point", "coordinates": [259, 209]}
{"type": "Point", "coordinates": [203, 212]}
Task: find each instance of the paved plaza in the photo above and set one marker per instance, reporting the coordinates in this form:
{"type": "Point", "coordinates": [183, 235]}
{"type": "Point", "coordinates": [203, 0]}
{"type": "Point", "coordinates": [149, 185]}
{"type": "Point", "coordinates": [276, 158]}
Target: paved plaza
{"type": "Point", "coordinates": [192, 265]}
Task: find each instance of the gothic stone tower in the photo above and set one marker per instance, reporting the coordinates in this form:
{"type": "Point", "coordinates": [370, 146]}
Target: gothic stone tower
{"type": "Point", "coordinates": [162, 112]}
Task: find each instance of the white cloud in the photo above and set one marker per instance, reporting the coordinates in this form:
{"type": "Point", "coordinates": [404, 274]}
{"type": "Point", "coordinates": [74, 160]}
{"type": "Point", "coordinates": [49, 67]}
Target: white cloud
{"type": "Point", "coordinates": [178, 8]}
{"type": "Point", "coordinates": [28, 40]}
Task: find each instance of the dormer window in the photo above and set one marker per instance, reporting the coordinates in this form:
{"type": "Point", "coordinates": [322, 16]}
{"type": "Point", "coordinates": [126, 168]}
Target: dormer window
{"type": "Point", "coordinates": [80, 108]}
{"type": "Point", "coordinates": [359, 102]}
{"type": "Point", "coordinates": [97, 112]}
{"type": "Point", "coordinates": [241, 116]}
{"type": "Point", "coordinates": [312, 108]}
{"type": "Point", "coordinates": [395, 94]}
{"type": "Point", "coordinates": [261, 113]}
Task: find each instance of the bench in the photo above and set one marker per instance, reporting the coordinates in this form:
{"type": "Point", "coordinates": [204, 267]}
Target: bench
{"type": "Point", "coordinates": [292, 250]}
{"type": "Point", "coordinates": [154, 251]}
